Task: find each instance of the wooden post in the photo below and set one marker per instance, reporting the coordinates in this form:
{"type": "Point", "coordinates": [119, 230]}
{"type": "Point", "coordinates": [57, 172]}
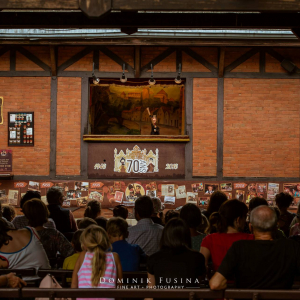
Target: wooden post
{"type": "Point", "coordinates": [137, 61]}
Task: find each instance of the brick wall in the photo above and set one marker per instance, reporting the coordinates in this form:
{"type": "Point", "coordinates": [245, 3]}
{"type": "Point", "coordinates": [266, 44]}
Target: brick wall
{"type": "Point", "coordinates": [205, 127]}
{"type": "Point", "coordinates": [68, 126]}
{"type": "Point", "coordinates": [28, 94]}
{"type": "Point", "coordinates": [261, 127]}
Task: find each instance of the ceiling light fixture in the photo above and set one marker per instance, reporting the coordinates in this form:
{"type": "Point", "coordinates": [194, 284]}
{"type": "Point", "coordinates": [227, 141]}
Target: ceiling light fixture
{"type": "Point", "coordinates": [178, 79]}
{"type": "Point", "coordinates": [96, 80]}
{"type": "Point", "coordinates": [151, 80]}
{"type": "Point", "coordinates": [123, 79]}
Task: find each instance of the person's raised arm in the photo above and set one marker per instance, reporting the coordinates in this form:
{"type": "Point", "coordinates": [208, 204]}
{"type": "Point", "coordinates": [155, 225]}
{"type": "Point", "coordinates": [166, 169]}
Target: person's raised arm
{"type": "Point", "coordinates": [148, 110]}
{"type": "Point", "coordinates": [206, 254]}
{"type": "Point", "coordinates": [218, 282]}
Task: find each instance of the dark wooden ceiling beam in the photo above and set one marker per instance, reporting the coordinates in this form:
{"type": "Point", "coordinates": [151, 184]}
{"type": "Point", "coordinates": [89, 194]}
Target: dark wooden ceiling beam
{"type": "Point", "coordinates": [146, 20]}
{"type": "Point", "coordinates": [221, 62]}
{"type": "Point", "coordinates": [167, 5]}
{"type": "Point", "coordinates": [53, 60]}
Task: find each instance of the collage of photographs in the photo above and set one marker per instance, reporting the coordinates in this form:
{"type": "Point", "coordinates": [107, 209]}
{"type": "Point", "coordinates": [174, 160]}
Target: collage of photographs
{"type": "Point", "coordinates": [111, 193]}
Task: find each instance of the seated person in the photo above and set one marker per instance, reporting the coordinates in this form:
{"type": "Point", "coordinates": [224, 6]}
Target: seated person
{"type": "Point", "coordinates": [63, 218]}
{"type": "Point", "coordinates": [92, 210]}
{"type": "Point", "coordinates": [157, 210]}
{"type": "Point", "coordinates": [86, 222]}
{"type": "Point", "coordinates": [52, 240]}
{"type": "Point", "coordinates": [230, 222]}
{"type": "Point", "coordinates": [283, 202]}
{"type": "Point", "coordinates": [120, 211]}
{"type": "Point", "coordinates": [9, 224]}
{"type": "Point", "coordinates": [175, 259]}
{"type": "Point", "coordinates": [21, 249]}
{"type": "Point", "coordinates": [170, 214]}
{"type": "Point", "coordinates": [8, 212]}
{"type": "Point", "coordinates": [191, 214]}
{"type": "Point", "coordinates": [102, 222]}
{"type": "Point", "coordinates": [21, 221]}
{"type": "Point", "coordinates": [262, 263]}
{"type": "Point", "coordinates": [130, 255]}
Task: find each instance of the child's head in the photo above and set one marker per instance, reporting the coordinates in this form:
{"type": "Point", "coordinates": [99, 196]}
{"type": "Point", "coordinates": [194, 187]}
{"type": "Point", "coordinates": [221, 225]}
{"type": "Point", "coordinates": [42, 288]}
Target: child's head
{"type": "Point", "coordinates": [117, 227]}
{"type": "Point", "coordinates": [76, 240]}
{"type": "Point", "coordinates": [95, 239]}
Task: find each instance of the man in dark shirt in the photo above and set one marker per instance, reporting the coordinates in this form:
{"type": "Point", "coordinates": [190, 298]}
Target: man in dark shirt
{"type": "Point", "coordinates": [263, 263]}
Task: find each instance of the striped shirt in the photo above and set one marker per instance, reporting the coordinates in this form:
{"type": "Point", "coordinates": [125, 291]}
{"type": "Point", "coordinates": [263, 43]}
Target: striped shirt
{"type": "Point", "coordinates": [108, 281]}
{"type": "Point", "coordinates": [21, 221]}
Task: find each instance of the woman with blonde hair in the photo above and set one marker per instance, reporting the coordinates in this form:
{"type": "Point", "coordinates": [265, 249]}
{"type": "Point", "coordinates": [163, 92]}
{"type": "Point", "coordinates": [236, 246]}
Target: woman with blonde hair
{"type": "Point", "coordinates": [96, 267]}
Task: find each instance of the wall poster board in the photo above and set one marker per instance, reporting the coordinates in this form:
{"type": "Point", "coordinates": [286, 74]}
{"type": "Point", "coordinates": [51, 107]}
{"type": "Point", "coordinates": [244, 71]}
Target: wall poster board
{"type": "Point", "coordinates": [5, 160]}
{"type": "Point", "coordinates": [20, 129]}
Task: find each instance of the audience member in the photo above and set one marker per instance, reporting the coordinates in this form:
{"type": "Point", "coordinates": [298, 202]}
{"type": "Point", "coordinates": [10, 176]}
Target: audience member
{"type": "Point", "coordinates": [157, 209]}
{"type": "Point", "coordinates": [21, 221]}
{"type": "Point", "coordinates": [231, 220]}
{"type": "Point", "coordinates": [191, 214]}
{"type": "Point", "coordinates": [204, 225]}
{"type": "Point", "coordinates": [63, 218]}
{"type": "Point", "coordinates": [175, 260]}
{"type": "Point", "coordinates": [283, 202]}
{"type": "Point", "coordinates": [52, 240]}
{"type": "Point", "coordinates": [93, 209]}
{"type": "Point", "coordinates": [263, 263]}
{"type": "Point", "coordinates": [278, 233]}
{"type": "Point", "coordinates": [145, 233]}
{"type": "Point", "coordinates": [8, 212]}
{"type": "Point", "coordinates": [130, 255]}
{"type": "Point", "coordinates": [170, 214]}
{"type": "Point", "coordinates": [120, 211]}
{"type": "Point", "coordinates": [216, 200]}
{"type": "Point", "coordinates": [86, 222]}
{"type": "Point", "coordinates": [96, 262]}
{"type": "Point", "coordinates": [11, 281]}
{"type": "Point", "coordinates": [8, 223]}
{"type": "Point", "coordinates": [21, 249]}
{"type": "Point", "coordinates": [102, 222]}
{"type": "Point", "coordinates": [295, 227]}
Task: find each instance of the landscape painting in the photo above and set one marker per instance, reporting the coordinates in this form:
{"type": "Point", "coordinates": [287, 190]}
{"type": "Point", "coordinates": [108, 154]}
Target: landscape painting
{"type": "Point", "coordinates": [122, 110]}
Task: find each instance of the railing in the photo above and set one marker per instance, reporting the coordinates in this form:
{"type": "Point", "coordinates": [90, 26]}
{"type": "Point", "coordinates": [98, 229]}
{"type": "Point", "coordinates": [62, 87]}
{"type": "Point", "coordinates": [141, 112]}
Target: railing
{"type": "Point", "coordinates": [190, 294]}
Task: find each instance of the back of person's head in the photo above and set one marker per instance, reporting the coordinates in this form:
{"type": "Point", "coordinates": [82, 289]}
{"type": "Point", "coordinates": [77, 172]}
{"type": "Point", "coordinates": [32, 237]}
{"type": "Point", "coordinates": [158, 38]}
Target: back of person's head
{"type": "Point", "coordinates": [191, 214]}
{"type": "Point", "coordinates": [54, 195]}
{"type": "Point", "coordinates": [263, 219]}
{"type": "Point", "coordinates": [217, 198]}
{"type": "Point", "coordinates": [28, 196]}
{"type": "Point", "coordinates": [4, 237]}
{"type": "Point", "coordinates": [86, 222]}
{"type": "Point", "coordinates": [117, 227]}
{"type": "Point", "coordinates": [257, 201]}
{"type": "Point", "coordinates": [102, 222]}
{"type": "Point", "coordinates": [93, 209]}
{"type": "Point", "coordinates": [176, 235]}
{"type": "Point", "coordinates": [36, 212]}
{"type": "Point", "coordinates": [120, 211]}
{"type": "Point", "coordinates": [8, 212]}
{"type": "Point", "coordinates": [228, 214]}
{"type": "Point", "coordinates": [95, 239]}
{"type": "Point", "coordinates": [144, 207]}
{"type": "Point", "coordinates": [277, 211]}
{"type": "Point", "coordinates": [170, 214]}
{"type": "Point", "coordinates": [76, 240]}
{"type": "Point", "coordinates": [157, 206]}
{"type": "Point", "coordinates": [283, 200]}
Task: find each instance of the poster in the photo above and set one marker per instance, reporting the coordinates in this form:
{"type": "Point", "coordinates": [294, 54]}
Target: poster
{"type": "Point", "coordinates": [118, 196]}
{"type": "Point", "coordinates": [169, 200]}
{"type": "Point", "coordinates": [273, 190]}
{"type": "Point", "coordinates": [167, 190]}
{"type": "Point", "coordinates": [226, 187]}
{"type": "Point", "coordinates": [134, 191]}
{"type": "Point", "coordinates": [240, 195]}
{"type": "Point", "coordinates": [197, 187]}
{"type": "Point", "coordinates": [181, 192]}
{"type": "Point", "coordinates": [210, 188]}
{"type": "Point", "coordinates": [34, 186]}
{"type": "Point", "coordinates": [191, 197]}
{"type": "Point", "coordinates": [96, 195]}
{"type": "Point", "coordinates": [13, 197]}
{"type": "Point", "coordinates": [5, 160]}
{"type": "Point", "coordinates": [150, 193]}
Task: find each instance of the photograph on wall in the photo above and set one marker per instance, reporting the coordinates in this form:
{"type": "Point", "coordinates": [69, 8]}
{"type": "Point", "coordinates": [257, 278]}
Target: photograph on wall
{"type": "Point", "coordinates": [203, 201]}
{"type": "Point", "coordinates": [117, 185]}
{"type": "Point", "coordinates": [1, 110]}
{"type": "Point", "coordinates": [239, 185]}
{"type": "Point", "coordinates": [118, 196]}
{"type": "Point", "coordinates": [240, 195]}
{"type": "Point", "coordinates": [210, 188]}
{"type": "Point", "coordinates": [191, 197]}
{"type": "Point", "coordinates": [181, 192]}
{"type": "Point", "coordinates": [273, 190]}
{"type": "Point", "coordinates": [66, 203]}
{"type": "Point", "coordinates": [13, 196]}
{"type": "Point", "coordinates": [151, 193]}
{"type": "Point", "coordinates": [123, 110]}
{"type": "Point", "coordinates": [294, 203]}
{"type": "Point", "coordinates": [169, 200]}
{"type": "Point", "coordinates": [167, 190]}
{"type": "Point", "coordinates": [291, 188]}
{"type": "Point", "coordinates": [197, 187]}
{"type": "Point", "coordinates": [3, 197]}
{"type": "Point", "coordinates": [96, 195]}
{"type": "Point", "coordinates": [250, 195]}
{"type": "Point", "coordinates": [229, 195]}
{"type": "Point", "coordinates": [134, 191]}
{"type": "Point", "coordinates": [81, 186]}
{"type": "Point", "coordinates": [72, 194]}
{"type": "Point", "coordinates": [261, 187]}
{"type": "Point", "coordinates": [151, 186]}
{"type": "Point", "coordinates": [252, 188]}
{"type": "Point", "coordinates": [34, 186]}
{"type": "Point", "coordinates": [226, 187]}
{"type": "Point", "coordinates": [82, 202]}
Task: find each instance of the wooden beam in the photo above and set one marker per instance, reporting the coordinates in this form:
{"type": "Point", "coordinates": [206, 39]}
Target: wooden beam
{"type": "Point", "coordinates": [96, 59]}
{"type": "Point", "coordinates": [220, 127]}
{"type": "Point", "coordinates": [160, 5]}
{"type": "Point", "coordinates": [3, 50]}
{"type": "Point", "coordinates": [241, 59]}
{"type": "Point", "coordinates": [221, 62]}
{"type": "Point", "coordinates": [95, 8]}
{"type": "Point", "coordinates": [137, 61]}
{"type": "Point", "coordinates": [262, 61]}
{"type": "Point", "coordinates": [53, 127]}
{"type": "Point", "coordinates": [12, 60]}
{"type": "Point", "coordinates": [53, 60]}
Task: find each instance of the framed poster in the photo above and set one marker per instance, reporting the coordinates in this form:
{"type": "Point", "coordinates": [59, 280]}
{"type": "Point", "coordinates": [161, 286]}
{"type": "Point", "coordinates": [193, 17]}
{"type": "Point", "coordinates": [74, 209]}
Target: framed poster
{"type": "Point", "coordinates": [5, 160]}
{"type": "Point", "coordinates": [20, 129]}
